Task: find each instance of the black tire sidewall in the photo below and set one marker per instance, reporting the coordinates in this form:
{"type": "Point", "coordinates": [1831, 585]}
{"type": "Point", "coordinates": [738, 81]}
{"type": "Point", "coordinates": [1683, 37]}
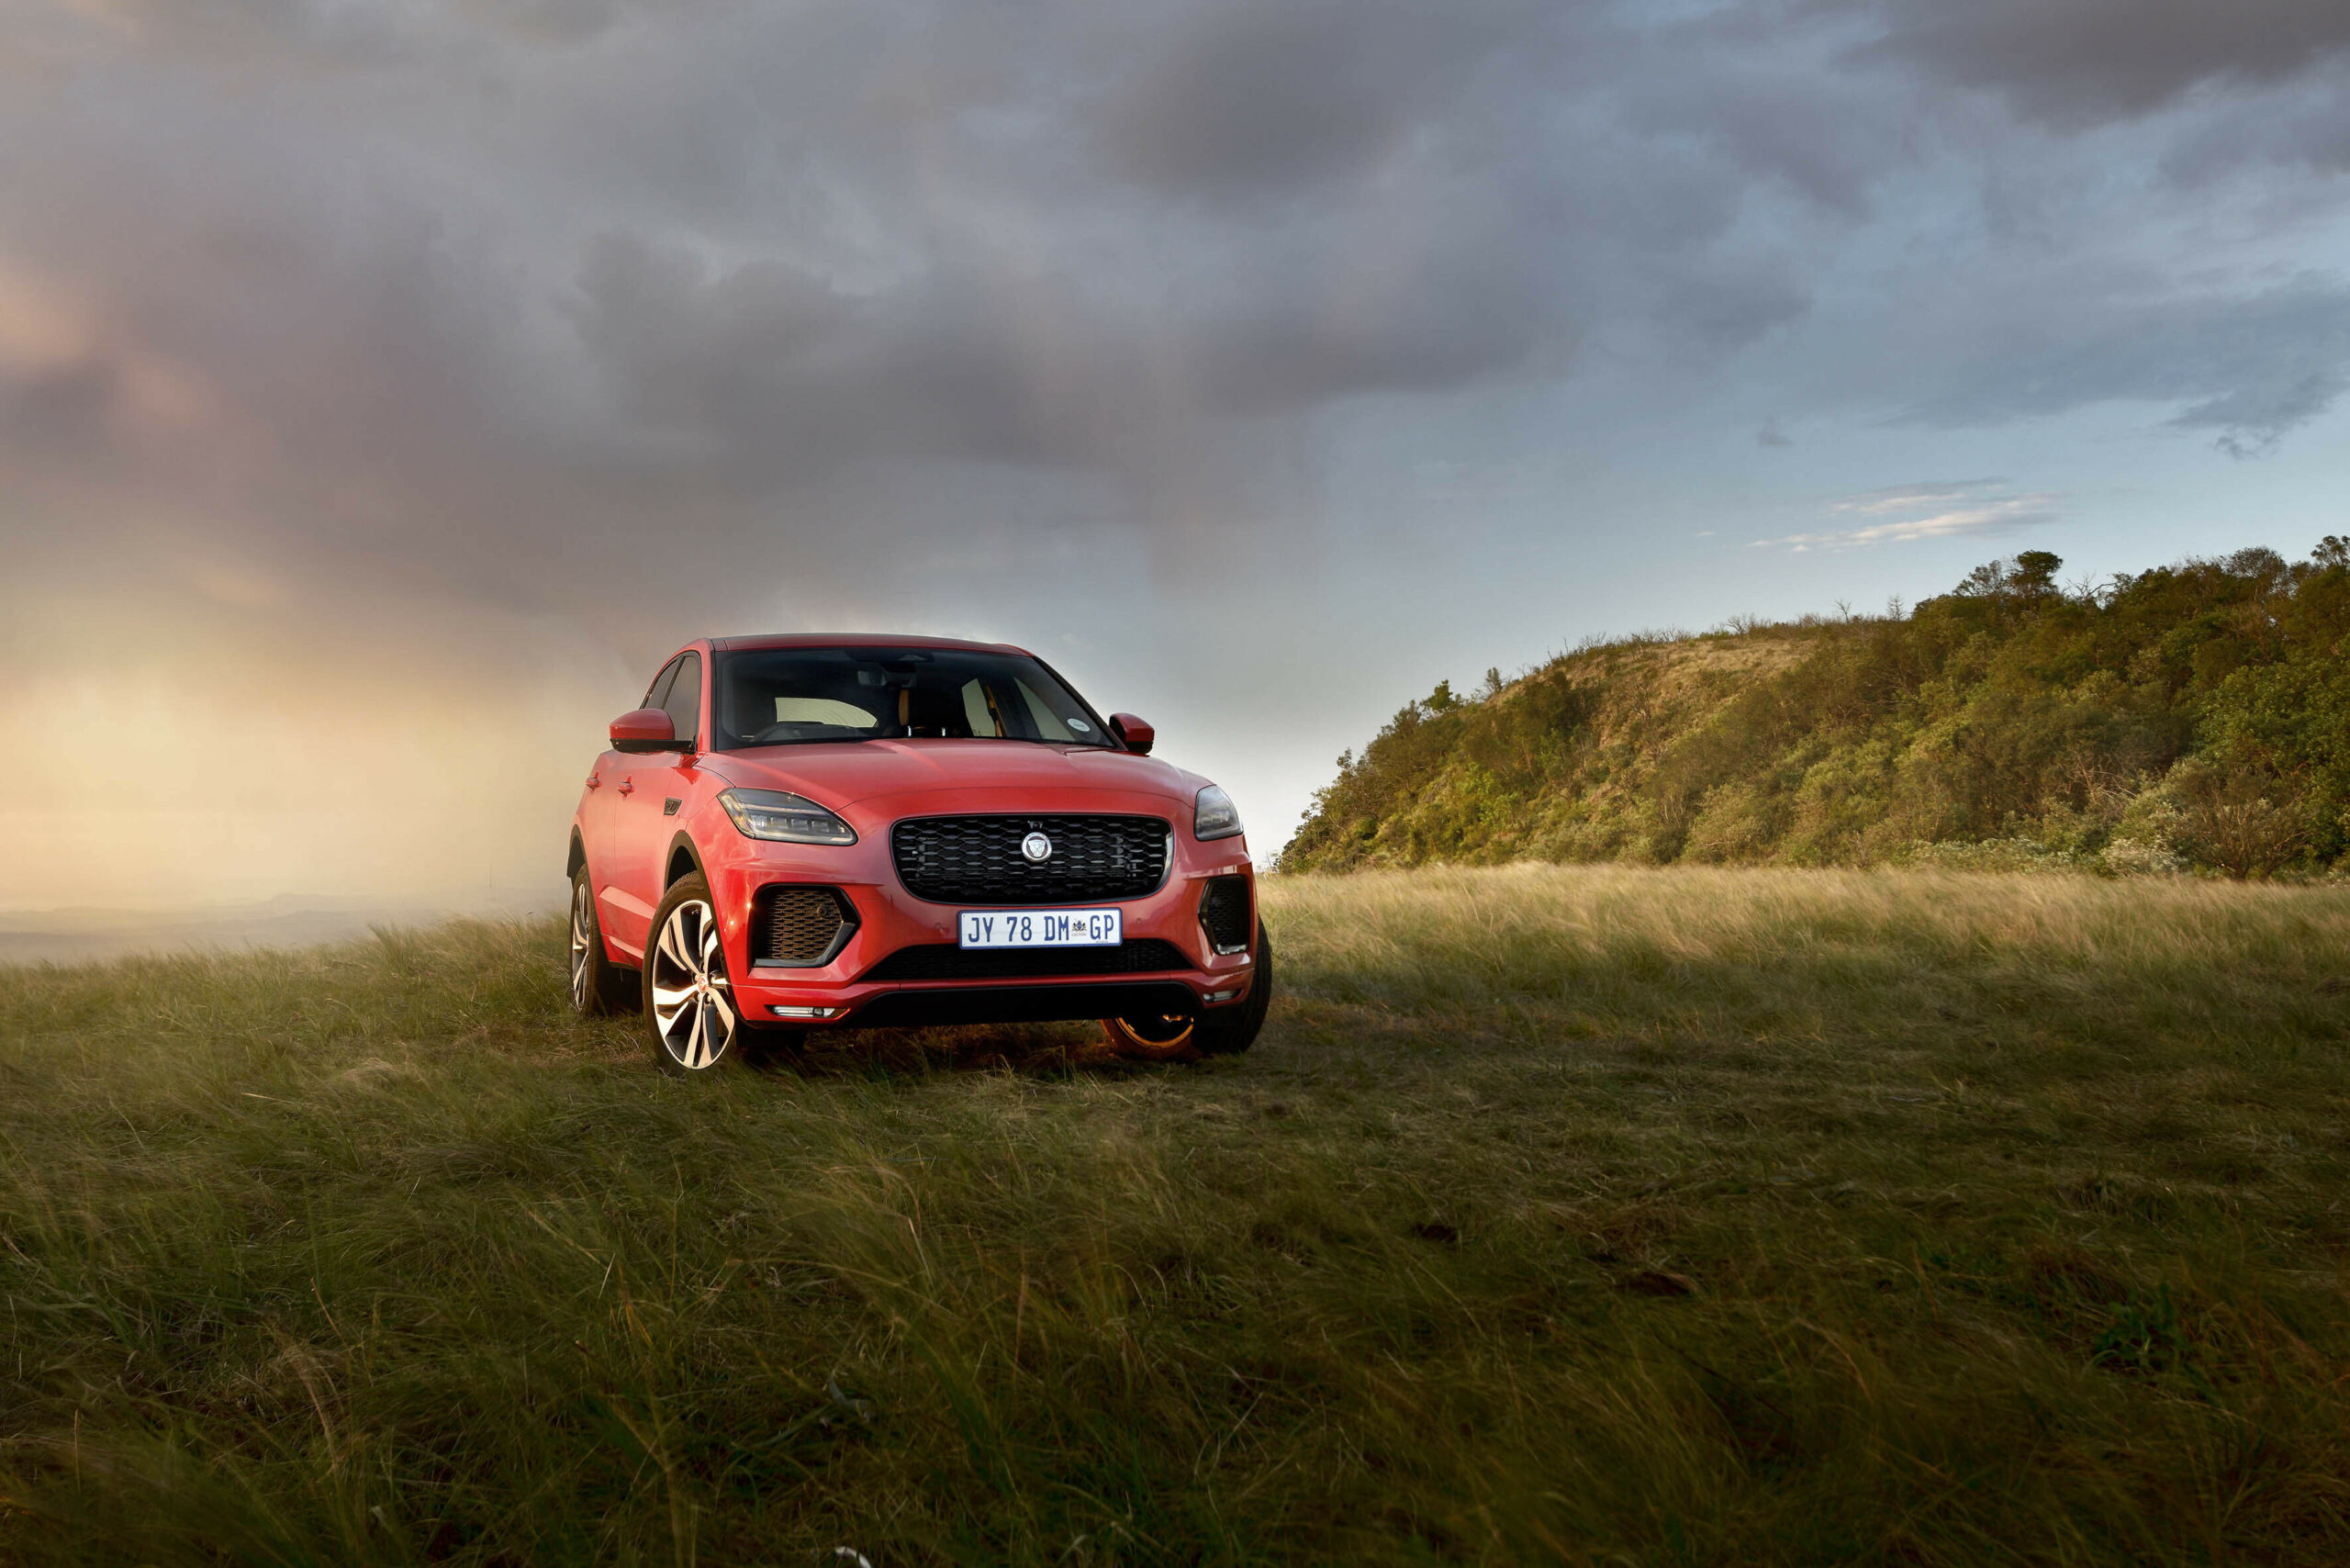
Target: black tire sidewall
{"type": "Point", "coordinates": [1235, 1031]}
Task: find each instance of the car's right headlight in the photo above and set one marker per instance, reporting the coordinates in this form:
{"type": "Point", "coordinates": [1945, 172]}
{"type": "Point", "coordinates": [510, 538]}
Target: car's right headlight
{"type": "Point", "coordinates": [783, 817]}
{"type": "Point", "coordinates": [1213, 815]}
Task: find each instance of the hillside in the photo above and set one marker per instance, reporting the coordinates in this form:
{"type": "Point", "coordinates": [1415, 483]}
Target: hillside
{"type": "Point", "coordinates": [2194, 716]}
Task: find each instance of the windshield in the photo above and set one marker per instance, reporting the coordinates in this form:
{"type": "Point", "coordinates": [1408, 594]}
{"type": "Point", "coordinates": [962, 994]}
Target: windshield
{"type": "Point", "coordinates": [784, 696]}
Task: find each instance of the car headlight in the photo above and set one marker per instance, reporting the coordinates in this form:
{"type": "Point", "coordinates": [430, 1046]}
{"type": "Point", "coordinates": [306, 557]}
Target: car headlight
{"type": "Point", "coordinates": [784, 818]}
{"type": "Point", "coordinates": [1213, 815]}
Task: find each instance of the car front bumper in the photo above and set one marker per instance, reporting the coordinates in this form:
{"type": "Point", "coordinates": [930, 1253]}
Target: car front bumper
{"type": "Point", "coordinates": [890, 919]}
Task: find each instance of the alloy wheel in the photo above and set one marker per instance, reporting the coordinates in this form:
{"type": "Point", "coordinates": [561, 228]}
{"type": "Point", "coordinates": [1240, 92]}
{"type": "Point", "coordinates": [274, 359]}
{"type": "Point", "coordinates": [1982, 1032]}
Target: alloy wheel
{"type": "Point", "coordinates": [693, 1005]}
{"type": "Point", "coordinates": [1163, 1029]}
{"type": "Point", "coordinates": [1152, 1038]}
{"type": "Point", "coordinates": [583, 977]}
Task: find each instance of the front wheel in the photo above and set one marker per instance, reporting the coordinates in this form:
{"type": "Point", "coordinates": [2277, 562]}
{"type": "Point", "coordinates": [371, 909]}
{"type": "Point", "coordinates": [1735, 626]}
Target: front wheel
{"type": "Point", "coordinates": [689, 1008]}
{"type": "Point", "coordinates": [1153, 1037]}
{"type": "Point", "coordinates": [1227, 1031]}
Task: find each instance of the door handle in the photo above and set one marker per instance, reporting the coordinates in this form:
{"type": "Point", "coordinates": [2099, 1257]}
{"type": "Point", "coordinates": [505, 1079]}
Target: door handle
{"type": "Point", "coordinates": [628, 787]}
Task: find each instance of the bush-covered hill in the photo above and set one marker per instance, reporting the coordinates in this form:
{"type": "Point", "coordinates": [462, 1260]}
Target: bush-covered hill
{"type": "Point", "coordinates": [2195, 715]}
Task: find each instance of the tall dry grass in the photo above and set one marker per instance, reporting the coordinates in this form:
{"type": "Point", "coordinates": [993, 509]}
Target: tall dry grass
{"type": "Point", "coordinates": [1585, 1216]}
{"type": "Point", "coordinates": [1595, 936]}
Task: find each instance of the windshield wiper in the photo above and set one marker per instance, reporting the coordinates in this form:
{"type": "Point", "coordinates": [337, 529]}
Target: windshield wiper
{"type": "Point", "coordinates": [807, 740]}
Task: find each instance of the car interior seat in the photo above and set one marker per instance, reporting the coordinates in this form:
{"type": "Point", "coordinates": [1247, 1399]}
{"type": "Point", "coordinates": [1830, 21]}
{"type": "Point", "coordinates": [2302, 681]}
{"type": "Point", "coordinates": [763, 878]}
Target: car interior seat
{"type": "Point", "coordinates": [928, 710]}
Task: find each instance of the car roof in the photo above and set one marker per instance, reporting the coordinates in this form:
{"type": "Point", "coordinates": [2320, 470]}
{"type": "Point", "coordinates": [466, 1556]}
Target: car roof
{"type": "Point", "coordinates": [855, 640]}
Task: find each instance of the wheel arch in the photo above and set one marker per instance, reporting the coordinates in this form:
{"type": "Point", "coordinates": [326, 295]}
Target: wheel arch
{"type": "Point", "coordinates": [684, 860]}
{"type": "Point", "coordinates": [576, 858]}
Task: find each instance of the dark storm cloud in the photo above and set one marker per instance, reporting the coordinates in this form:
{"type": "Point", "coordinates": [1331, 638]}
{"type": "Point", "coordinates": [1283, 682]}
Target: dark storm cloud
{"type": "Point", "coordinates": [330, 30]}
{"type": "Point", "coordinates": [2067, 62]}
{"type": "Point", "coordinates": [1253, 98]}
{"type": "Point", "coordinates": [1749, 89]}
{"type": "Point", "coordinates": [451, 293]}
{"type": "Point", "coordinates": [519, 281]}
{"type": "Point", "coordinates": [2250, 369]}
{"type": "Point", "coordinates": [777, 372]}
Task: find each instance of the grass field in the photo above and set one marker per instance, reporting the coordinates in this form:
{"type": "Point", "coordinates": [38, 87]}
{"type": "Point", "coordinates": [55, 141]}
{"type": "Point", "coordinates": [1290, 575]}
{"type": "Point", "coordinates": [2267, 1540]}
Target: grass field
{"type": "Point", "coordinates": [1590, 1215]}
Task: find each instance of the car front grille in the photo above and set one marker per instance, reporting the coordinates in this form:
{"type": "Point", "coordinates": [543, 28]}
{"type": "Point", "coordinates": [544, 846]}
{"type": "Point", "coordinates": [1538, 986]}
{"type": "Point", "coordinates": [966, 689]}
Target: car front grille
{"type": "Point", "coordinates": [945, 961]}
{"type": "Point", "coordinates": [978, 860]}
{"type": "Point", "coordinates": [800, 928]}
{"type": "Point", "coordinates": [1224, 913]}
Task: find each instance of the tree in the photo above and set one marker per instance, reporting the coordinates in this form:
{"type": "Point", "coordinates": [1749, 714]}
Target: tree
{"type": "Point", "coordinates": [2035, 573]}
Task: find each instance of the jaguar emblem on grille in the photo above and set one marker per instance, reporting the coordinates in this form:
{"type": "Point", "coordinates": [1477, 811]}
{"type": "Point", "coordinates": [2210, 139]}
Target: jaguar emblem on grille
{"type": "Point", "coordinates": [1037, 848]}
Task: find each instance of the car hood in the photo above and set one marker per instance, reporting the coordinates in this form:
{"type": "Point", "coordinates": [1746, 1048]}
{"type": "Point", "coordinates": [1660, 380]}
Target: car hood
{"type": "Point", "coordinates": [888, 778]}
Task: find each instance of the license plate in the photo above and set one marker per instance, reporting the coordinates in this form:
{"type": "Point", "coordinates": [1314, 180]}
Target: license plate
{"type": "Point", "coordinates": [1043, 928]}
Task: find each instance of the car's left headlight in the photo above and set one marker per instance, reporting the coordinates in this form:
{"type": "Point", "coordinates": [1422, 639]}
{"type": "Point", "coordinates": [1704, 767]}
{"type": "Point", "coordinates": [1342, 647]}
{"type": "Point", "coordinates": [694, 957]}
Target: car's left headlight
{"type": "Point", "coordinates": [1213, 815]}
{"type": "Point", "coordinates": [783, 817]}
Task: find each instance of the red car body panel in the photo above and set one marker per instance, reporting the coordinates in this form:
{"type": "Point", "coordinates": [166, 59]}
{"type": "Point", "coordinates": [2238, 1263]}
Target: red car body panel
{"type": "Point", "coordinates": [643, 816]}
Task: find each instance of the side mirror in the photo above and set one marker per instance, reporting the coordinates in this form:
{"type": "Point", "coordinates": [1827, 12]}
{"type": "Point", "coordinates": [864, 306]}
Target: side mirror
{"type": "Point", "coordinates": [645, 729]}
{"type": "Point", "coordinates": [1133, 734]}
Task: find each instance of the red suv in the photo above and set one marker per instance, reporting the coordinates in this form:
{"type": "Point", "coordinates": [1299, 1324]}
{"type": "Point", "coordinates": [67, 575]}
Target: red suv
{"type": "Point", "coordinates": [818, 832]}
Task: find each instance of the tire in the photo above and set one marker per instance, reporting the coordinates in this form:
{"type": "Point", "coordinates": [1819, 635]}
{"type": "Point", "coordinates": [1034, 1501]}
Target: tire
{"type": "Point", "coordinates": [1226, 1032]}
{"type": "Point", "coordinates": [1235, 1029]}
{"type": "Point", "coordinates": [598, 986]}
{"type": "Point", "coordinates": [690, 1018]}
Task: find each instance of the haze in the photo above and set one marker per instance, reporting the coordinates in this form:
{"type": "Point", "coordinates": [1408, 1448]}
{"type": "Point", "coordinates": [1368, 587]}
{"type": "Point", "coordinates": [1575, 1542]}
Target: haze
{"type": "Point", "coordinates": [385, 388]}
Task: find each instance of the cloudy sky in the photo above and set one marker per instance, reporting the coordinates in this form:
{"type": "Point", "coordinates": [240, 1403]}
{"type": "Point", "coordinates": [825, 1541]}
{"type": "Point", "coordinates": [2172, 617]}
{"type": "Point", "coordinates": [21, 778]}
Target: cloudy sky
{"type": "Point", "coordinates": [385, 387]}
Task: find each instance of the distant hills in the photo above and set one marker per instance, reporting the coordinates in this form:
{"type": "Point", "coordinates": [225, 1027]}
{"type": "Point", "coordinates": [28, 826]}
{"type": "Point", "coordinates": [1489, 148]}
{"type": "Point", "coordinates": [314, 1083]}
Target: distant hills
{"type": "Point", "coordinates": [289, 920]}
{"type": "Point", "coordinates": [2193, 716]}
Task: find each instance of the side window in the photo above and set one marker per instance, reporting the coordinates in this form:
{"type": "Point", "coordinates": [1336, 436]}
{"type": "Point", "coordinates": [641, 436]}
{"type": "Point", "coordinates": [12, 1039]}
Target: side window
{"type": "Point", "coordinates": [657, 694]}
{"type": "Point", "coordinates": [684, 699]}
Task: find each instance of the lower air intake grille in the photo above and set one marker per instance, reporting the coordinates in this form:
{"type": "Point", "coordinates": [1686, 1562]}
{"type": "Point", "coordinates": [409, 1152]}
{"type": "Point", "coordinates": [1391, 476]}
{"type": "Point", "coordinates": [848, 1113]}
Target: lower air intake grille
{"type": "Point", "coordinates": [1224, 913]}
{"type": "Point", "coordinates": [943, 962]}
{"type": "Point", "coordinates": [980, 860]}
{"type": "Point", "coordinates": [800, 928]}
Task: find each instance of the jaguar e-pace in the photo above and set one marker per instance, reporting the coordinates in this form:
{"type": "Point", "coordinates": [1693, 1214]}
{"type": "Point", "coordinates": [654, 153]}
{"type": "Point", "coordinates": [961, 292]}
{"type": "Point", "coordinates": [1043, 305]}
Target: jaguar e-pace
{"type": "Point", "coordinates": [794, 834]}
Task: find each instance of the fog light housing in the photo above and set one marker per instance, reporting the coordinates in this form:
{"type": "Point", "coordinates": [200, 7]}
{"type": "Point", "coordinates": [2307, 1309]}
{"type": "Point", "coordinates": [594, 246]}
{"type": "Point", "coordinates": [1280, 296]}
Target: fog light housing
{"type": "Point", "coordinates": [1224, 915]}
{"type": "Point", "coordinates": [781, 1011]}
{"type": "Point", "coordinates": [1224, 996]}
